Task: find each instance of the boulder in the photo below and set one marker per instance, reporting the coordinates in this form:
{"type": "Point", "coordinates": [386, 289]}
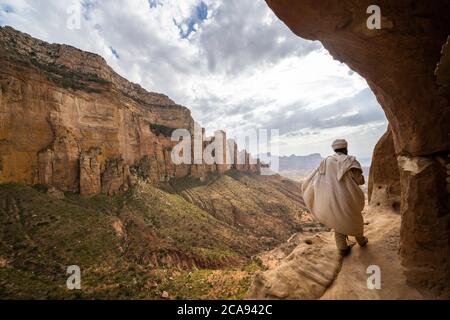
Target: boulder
{"type": "Point", "coordinates": [305, 273]}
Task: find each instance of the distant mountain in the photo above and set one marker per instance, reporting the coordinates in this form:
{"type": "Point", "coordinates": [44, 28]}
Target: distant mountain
{"type": "Point", "coordinates": [299, 167]}
{"type": "Point", "coordinates": [299, 163]}
{"type": "Point", "coordinates": [295, 167]}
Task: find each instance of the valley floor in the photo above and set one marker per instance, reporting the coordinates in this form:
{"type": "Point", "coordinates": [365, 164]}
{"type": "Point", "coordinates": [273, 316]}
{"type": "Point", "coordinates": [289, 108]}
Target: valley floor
{"type": "Point", "coordinates": [186, 240]}
{"type": "Point", "coordinates": [383, 231]}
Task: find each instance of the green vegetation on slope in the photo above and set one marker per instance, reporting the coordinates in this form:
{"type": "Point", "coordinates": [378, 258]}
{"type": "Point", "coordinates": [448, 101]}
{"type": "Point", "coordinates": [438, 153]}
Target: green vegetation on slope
{"type": "Point", "coordinates": [164, 238]}
{"type": "Point", "coordinates": [135, 245]}
{"type": "Point", "coordinates": [267, 209]}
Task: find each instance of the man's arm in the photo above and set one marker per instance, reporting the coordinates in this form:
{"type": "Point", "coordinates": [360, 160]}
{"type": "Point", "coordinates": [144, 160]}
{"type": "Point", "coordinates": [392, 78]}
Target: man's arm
{"type": "Point", "coordinates": [357, 176]}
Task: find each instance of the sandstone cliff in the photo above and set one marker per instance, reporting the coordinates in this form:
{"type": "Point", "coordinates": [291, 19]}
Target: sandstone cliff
{"type": "Point", "coordinates": [384, 177]}
{"type": "Point", "coordinates": [68, 120]}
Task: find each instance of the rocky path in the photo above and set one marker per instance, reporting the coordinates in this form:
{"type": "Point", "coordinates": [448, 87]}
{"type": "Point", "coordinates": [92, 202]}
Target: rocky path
{"type": "Point", "coordinates": [383, 231]}
{"type": "Point", "coordinates": [314, 270]}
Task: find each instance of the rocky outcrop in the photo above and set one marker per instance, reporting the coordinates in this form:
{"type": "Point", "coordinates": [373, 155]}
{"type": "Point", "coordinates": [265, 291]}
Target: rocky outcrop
{"type": "Point", "coordinates": [304, 273]}
{"type": "Point", "coordinates": [443, 70]}
{"type": "Point", "coordinates": [294, 274]}
{"type": "Point", "coordinates": [242, 201]}
{"type": "Point", "coordinates": [424, 237]}
{"type": "Point", "coordinates": [383, 226]}
{"type": "Point", "coordinates": [398, 61]}
{"type": "Point", "coordinates": [384, 176]}
{"type": "Point", "coordinates": [68, 120]}
{"type": "Point", "coordinates": [116, 177]}
{"type": "Point", "coordinates": [58, 163]}
{"type": "Point", "coordinates": [55, 193]}
{"type": "Point", "coordinates": [90, 171]}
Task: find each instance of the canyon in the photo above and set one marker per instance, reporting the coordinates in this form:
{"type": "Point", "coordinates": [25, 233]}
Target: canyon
{"type": "Point", "coordinates": [68, 120]}
{"type": "Point", "coordinates": [80, 146]}
{"type": "Point", "coordinates": [87, 178]}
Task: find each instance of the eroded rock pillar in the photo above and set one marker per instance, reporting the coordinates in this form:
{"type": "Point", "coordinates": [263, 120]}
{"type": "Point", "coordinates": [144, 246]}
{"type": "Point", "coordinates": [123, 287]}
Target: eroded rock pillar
{"type": "Point", "coordinates": [424, 233]}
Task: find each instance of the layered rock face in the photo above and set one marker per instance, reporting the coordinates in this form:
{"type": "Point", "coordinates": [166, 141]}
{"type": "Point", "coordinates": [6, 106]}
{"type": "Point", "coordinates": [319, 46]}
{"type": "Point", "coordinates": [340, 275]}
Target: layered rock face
{"type": "Point", "coordinates": [384, 177]}
{"type": "Point", "coordinates": [68, 120]}
{"type": "Point", "coordinates": [399, 61]}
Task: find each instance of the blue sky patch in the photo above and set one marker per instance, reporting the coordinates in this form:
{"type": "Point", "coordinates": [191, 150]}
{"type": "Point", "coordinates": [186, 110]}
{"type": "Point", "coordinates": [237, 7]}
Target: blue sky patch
{"type": "Point", "coordinates": [114, 52]}
{"type": "Point", "coordinates": [199, 15]}
{"type": "Point", "coordinates": [202, 11]}
{"type": "Point", "coordinates": [154, 3]}
{"type": "Point", "coordinates": [6, 8]}
{"type": "Point", "coordinates": [86, 7]}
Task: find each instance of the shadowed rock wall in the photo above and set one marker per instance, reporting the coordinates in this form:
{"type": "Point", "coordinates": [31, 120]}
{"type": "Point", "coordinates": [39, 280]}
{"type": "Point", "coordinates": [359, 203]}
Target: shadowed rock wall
{"type": "Point", "coordinates": [384, 176]}
{"type": "Point", "coordinates": [398, 61]}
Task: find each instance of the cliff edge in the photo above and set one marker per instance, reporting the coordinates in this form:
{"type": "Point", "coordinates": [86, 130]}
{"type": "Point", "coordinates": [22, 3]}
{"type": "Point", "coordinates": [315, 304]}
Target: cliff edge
{"type": "Point", "coordinates": [68, 120]}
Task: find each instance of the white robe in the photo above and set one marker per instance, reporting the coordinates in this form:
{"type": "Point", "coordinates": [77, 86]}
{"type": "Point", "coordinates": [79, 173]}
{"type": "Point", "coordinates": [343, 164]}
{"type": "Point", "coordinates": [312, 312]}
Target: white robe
{"type": "Point", "coordinates": [333, 197]}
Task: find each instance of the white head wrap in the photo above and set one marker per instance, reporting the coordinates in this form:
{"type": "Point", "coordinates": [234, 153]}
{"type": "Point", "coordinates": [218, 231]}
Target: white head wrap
{"type": "Point", "coordinates": [339, 144]}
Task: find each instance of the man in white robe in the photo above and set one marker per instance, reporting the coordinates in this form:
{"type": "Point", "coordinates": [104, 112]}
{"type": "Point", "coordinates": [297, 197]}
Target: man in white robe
{"type": "Point", "coordinates": [332, 194]}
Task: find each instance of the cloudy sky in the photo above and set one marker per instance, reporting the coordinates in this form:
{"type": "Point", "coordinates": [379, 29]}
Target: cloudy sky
{"type": "Point", "coordinates": [232, 62]}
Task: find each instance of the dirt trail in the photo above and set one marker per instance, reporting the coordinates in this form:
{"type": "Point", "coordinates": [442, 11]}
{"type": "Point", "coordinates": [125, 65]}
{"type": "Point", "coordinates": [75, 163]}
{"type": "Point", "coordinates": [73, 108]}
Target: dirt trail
{"type": "Point", "coordinates": [314, 270]}
{"type": "Point", "coordinates": [383, 232]}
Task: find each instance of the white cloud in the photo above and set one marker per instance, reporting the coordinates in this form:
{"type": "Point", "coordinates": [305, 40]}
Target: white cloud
{"type": "Point", "coordinates": [232, 62]}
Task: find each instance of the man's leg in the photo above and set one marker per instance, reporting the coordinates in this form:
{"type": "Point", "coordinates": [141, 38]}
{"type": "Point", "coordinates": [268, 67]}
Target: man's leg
{"type": "Point", "coordinates": [362, 241]}
{"type": "Point", "coordinates": [341, 243]}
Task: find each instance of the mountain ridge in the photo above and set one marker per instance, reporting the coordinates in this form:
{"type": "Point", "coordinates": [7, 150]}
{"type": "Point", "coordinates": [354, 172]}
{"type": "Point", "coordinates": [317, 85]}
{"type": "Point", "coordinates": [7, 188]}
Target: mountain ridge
{"type": "Point", "coordinates": [86, 178]}
{"type": "Point", "coordinates": [94, 131]}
